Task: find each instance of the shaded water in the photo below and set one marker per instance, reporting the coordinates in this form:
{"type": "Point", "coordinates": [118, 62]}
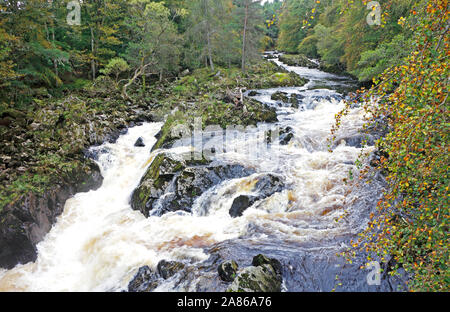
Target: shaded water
{"type": "Point", "coordinates": [99, 242]}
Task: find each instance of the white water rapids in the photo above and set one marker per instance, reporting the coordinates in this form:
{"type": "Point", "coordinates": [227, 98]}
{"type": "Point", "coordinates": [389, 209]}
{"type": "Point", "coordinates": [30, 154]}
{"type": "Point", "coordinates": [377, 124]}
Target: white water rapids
{"type": "Point", "coordinates": [99, 242]}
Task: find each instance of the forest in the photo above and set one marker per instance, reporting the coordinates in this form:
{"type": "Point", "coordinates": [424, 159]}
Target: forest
{"type": "Point", "coordinates": [74, 74]}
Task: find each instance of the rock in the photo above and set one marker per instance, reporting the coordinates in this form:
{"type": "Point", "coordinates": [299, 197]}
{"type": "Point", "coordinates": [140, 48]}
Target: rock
{"type": "Point", "coordinates": [280, 96]}
{"type": "Point", "coordinates": [253, 93]}
{"type": "Point", "coordinates": [228, 270]}
{"type": "Point", "coordinates": [167, 269]}
{"type": "Point", "coordinates": [260, 260]}
{"type": "Point", "coordinates": [293, 100]}
{"type": "Point", "coordinates": [265, 187]}
{"type": "Point", "coordinates": [139, 142]}
{"type": "Point", "coordinates": [356, 140]}
{"type": "Point", "coordinates": [240, 204]}
{"type": "Point", "coordinates": [286, 135]}
{"type": "Point", "coordinates": [262, 278]}
{"type": "Point", "coordinates": [145, 280]}
{"type": "Point", "coordinates": [172, 185]}
{"type": "Point", "coordinates": [286, 138]}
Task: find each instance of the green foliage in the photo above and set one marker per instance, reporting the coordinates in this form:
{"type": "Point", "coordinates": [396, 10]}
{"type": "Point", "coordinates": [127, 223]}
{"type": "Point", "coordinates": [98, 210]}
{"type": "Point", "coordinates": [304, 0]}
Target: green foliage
{"type": "Point", "coordinates": [338, 33]}
{"type": "Point", "coordinates": [115, 67]}
{"type": "Point", "coordinates": [308, 46]}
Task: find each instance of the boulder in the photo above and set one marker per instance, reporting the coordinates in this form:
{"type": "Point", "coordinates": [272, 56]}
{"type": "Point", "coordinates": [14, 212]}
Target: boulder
{"type": "Point", "coordinates": [286, 135]}
{"type": "Point", "coordinates": [240, 204]}
{"type": "Point", "coordinates": [167, 269]}
{"type": "Point", "coordinates": [145, 280]}
{"type": "Point", "coordinates": [260, 260]}
{"type": "Point", "coordinates": [228, 270]}
{"type": "Point", "coordinates": [280, 96]}
{"type": "Point", "coordinates": [139, 142]}
{"type": "Point", "coordinates": [264, 188]}
{"type": "Point", "coordinates": [262, 278]}
{"type": "Point", "coordinates": [181, 182]}
{"type": "Point", "coordinates": [253, 93]}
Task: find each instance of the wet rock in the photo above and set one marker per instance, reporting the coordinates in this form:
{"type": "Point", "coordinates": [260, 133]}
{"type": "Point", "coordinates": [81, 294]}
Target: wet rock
{"type": "Point", "coordinates": [228, 270]}
{"type": "Point", "coordinates": [265, 187]}
{"type": "Point", "coordinates": [173, 185]}
{"type": "Point", "coordinates": [145, 280]}
{"type": "Point", "coordinates": [167, 269]}
{"type": "Point", "coordinates": [286, 135]}
{"type": "Point", "coordinates": [294, 101]}
{"type": "Point", "coordinates": [286, 138]}
{"type": "Point", "coordinates": [139, 142]}
{"type": "Point", "coordinates": [260, 260]}
{"type": "Point", "coordinates": [280, 96]}
{"type": "Point", "coordinates": [356, 140]}
{"type": "Point", "coordinates": [240, 204]}
{"type": "Point", "coordinates": [94, 153]}
{"type": "Point", "coordinates": [262, 278]}
{"type": "Point", "coordinates": [253, 93]}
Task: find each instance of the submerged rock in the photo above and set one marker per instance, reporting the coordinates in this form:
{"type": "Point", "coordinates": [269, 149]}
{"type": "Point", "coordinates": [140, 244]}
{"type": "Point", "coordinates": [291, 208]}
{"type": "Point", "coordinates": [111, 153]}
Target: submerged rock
{"type": "Point", "coordinates": [228, 270]}
{"type": "Point", "coordinates": [265, 187]}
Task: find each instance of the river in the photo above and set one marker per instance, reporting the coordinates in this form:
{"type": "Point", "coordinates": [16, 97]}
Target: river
{"type": "Point", "coordinates": [99, 242]}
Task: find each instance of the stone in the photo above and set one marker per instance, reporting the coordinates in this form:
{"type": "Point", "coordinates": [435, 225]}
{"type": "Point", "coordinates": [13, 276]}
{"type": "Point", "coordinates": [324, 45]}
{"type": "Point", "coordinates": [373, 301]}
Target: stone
{"type": "Point", "coordinates": [257, 279]}
{"type": "Point", "coordinates": [228, 270]}
{"type": "Point", "coordinates": [280, 96]}
{"type": "Point", "coordinates": [145, 280]}
{"type": "Point", "coordinates": [260, 260]}
{"type": "Point", "coordinates": [167, 269]}
{"type": "Point", "coordinates": [265, 187]}
{"type": "Point", "coordinates": [240, 204]}
{"type": "Point", "coordinates": [139, 142]}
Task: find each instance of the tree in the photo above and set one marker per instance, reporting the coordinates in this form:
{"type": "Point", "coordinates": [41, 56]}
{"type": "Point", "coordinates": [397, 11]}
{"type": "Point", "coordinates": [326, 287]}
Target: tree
{"type": "Point", "coordinates": [205, 26]}
{"type": "Point", "coordinates": [249, 12]}
{"type": "Point", "coordinates": [115, 67]}
{"type": "Point", "coordinates": [154, 41]}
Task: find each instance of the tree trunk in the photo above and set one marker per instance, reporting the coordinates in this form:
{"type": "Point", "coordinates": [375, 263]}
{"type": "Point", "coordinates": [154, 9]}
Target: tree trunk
{"type": "Point", "coordinates": [93, 55]}
{"type": "Point", "coordinates": [244, 38]}
{"type": "Point", "coordinates": [208, 36]}
{"type": "Point", "coordinates": [209, 52]}
{"type": "Point", "coordinates": [55, 62]}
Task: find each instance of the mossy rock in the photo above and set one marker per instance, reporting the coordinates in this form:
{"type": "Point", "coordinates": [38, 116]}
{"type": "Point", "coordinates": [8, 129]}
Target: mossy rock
{"type": "Point", "coordinates": [263, 278]}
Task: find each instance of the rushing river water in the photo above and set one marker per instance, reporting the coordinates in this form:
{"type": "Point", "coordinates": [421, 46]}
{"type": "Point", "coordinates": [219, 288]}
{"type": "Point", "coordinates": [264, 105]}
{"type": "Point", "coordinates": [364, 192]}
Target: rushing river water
{"type": "Point", "coordinates": [99, 242]}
